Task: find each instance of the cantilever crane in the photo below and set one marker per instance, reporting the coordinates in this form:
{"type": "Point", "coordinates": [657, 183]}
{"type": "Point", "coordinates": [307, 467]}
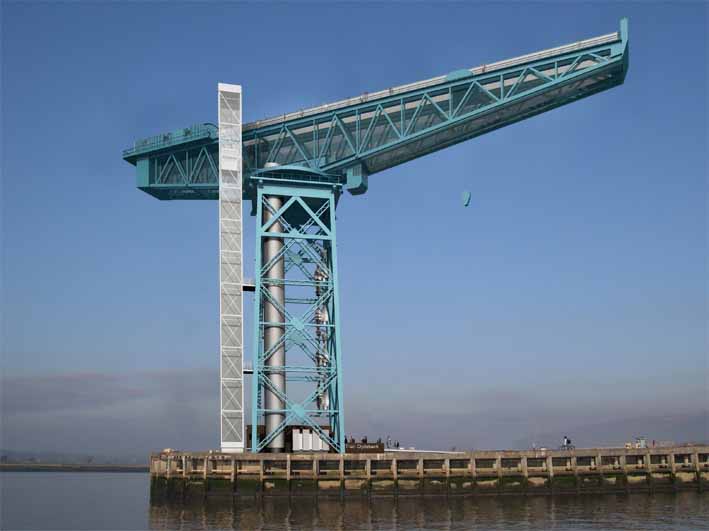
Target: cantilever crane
{"type": "Point", "coordinates": [293, 168]}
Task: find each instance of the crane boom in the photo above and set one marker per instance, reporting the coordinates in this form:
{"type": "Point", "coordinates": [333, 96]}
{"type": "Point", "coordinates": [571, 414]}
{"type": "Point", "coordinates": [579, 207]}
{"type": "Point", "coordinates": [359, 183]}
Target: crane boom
{"type": "Point", "coordinates": [354, 138]}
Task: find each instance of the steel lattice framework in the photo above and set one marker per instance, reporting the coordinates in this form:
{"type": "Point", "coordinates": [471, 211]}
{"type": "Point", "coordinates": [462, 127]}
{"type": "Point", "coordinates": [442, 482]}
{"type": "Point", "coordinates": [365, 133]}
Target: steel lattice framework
{"type": "Point", "coordinates": [361, 136]}
{"type": "Point", "coordinates": [231, 323]}
{"type": "Point", "coordinates": [294, 169]}
{"type": "Point", "coordinates": [304, 306]}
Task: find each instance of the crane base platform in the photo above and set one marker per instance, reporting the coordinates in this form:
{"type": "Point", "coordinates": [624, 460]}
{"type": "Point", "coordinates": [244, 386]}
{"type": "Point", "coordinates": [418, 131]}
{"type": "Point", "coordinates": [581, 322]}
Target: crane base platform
{"type": "Point", "coordinates": [183, 476]}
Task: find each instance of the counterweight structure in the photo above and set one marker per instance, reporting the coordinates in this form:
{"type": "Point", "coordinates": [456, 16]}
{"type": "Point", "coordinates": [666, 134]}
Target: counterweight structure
{"type": "Point", "coordinates": [295, 167]}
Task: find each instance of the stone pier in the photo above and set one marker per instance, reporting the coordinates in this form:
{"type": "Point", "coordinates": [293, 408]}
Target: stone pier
{"type": "Point", "coordinates": [195, 475]}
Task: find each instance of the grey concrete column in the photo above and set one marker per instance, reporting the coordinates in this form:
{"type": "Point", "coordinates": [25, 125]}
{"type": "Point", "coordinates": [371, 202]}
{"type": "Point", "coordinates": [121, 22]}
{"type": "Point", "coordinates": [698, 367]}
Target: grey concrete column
{"type": "Point", "coordinates": [273, 334]}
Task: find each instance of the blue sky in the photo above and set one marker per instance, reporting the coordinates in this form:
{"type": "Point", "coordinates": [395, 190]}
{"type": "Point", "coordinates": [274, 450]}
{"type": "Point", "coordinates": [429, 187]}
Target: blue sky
{"type": "Point", "coordinates": [575, 281]}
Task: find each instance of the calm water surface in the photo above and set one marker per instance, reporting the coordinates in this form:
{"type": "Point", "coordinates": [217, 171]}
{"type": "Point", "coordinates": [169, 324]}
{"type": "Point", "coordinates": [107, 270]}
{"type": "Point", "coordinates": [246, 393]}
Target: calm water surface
{"type": "Point", "coordinates": [53, 500]}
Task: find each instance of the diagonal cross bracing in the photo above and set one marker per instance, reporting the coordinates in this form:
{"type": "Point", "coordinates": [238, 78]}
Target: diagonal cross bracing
{"type": "Point", "coordinates": [305, 349]}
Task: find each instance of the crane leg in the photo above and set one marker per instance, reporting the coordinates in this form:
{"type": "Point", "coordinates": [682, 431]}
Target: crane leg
{"type": "Point", "coordinates": [296, 316]}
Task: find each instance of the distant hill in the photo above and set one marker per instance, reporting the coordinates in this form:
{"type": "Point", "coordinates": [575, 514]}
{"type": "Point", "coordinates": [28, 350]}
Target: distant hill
{"type": "Point", "coordinates": [17, 456]}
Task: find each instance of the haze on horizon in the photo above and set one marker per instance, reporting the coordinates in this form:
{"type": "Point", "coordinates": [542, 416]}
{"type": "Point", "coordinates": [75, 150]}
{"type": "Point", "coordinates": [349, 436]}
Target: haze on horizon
{"type": "Point", "coordinates": [570, 298]}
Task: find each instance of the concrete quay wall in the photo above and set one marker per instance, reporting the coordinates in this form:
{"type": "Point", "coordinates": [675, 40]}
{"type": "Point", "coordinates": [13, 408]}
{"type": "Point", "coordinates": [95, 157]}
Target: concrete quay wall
{"type": "Point", "coordinates": [195, 475]}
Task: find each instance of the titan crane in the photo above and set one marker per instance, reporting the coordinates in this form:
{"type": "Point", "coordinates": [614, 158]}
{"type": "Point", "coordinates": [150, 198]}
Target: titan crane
{"type": "Point", "coordinates": [293, 168]}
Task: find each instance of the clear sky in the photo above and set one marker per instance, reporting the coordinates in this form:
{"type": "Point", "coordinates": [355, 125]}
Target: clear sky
{"type": "Point", "coordinates": [570, 296]}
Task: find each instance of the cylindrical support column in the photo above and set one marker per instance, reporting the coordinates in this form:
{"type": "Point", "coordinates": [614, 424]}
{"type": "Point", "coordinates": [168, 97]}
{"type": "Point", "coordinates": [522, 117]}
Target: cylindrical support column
{"type": "Point", "coordinates": [273, 333]}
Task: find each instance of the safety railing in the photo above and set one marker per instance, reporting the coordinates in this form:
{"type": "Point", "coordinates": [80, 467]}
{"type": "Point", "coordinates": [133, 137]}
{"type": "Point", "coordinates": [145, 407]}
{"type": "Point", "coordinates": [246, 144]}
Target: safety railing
{"type": "Point", "coordinates": [180, 136]}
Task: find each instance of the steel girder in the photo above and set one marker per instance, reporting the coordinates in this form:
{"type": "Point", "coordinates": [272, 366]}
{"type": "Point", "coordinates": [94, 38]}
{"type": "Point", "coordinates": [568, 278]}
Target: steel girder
{"type": "Point", "coordinates": [368, 135]}
{"type": "Point", "coordinates": [380, 134]}
{"type": "Point", "coordinates": [308, 309]}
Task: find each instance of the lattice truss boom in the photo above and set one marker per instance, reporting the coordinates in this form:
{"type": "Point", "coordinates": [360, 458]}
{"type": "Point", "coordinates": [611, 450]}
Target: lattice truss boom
{"type": "Point", "coordinates": [369, 134]}
{"type": "Point", "coordinates": [391, 131]}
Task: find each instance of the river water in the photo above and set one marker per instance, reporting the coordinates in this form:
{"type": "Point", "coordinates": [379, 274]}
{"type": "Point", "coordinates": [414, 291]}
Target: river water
{"type": "Point", "coordinates": [87, 500]}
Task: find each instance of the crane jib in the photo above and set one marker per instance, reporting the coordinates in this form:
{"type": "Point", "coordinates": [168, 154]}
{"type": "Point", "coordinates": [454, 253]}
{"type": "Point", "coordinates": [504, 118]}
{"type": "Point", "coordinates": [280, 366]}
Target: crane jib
{"type": "Point", "coordinates": [357, 137]}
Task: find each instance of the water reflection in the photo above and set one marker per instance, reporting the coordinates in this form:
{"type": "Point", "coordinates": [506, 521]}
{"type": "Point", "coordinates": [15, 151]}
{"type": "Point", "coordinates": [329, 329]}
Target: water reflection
{"type": "Point", "coordinates": [688, 510]}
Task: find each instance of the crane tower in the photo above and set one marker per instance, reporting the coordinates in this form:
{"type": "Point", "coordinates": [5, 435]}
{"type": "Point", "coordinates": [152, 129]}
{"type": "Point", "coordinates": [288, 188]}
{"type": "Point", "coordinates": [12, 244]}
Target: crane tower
{"type": "Point", "coordinates": [293, 169]}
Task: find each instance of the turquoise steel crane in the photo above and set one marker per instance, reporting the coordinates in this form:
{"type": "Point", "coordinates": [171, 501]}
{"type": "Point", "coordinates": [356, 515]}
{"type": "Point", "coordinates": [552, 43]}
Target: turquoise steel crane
{"type": "Point", "coordinates": [293, 168]}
